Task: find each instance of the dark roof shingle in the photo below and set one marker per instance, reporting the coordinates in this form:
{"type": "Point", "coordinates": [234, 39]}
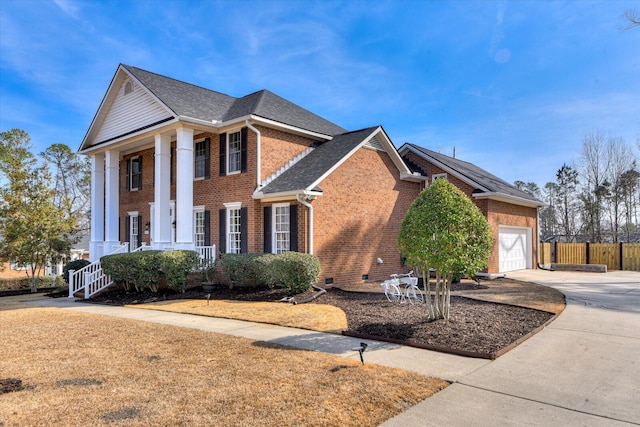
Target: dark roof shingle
{"type": "Point", "coordinates": [312, 167]}
{"type": "Point", "coordinates": [204, 104]}
{"type": "Point", "coordinates": [476, 174]}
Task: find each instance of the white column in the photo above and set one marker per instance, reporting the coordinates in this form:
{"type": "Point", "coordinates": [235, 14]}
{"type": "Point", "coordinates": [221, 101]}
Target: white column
{"type": "Point", "coordinates": [97, 207]}
{"type": "Point", "coordinates": [161, 227]}
{"type": "Point", "coordinates": [184, 189]}
{"type": "Point", "coordinates": [112, 200]}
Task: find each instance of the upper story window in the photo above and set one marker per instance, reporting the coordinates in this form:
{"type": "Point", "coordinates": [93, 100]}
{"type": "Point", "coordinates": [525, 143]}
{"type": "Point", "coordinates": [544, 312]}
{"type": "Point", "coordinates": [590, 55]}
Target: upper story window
{"type": "Point", "coordinates": [202, 159]}
{"type": "Point", "coordinates": [233, 152]}
{"type": "Point", "coordinates": [134, 173]}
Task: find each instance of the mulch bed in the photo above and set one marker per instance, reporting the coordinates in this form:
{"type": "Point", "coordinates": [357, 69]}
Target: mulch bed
{"type": "Point", "coordinates": [476, 328]}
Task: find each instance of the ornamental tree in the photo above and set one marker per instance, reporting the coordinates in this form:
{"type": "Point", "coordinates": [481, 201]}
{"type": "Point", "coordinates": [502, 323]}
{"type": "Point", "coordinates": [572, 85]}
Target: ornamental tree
{"type": "Point", "coordinates": [443, 230]}
{"type": "Point", "coordinates": [34, 230]}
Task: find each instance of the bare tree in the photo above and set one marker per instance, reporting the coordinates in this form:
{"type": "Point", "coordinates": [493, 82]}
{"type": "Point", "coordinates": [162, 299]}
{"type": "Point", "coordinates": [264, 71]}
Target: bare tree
{"type": "Point", "coordinates": [548, 214]}
{"type": "Point", "coordinates": [567, 182]}
{"type": "Point", "coordinates": [594, 167]}
{"type": "Point", "coordinates": [632, 17]}
{"type": "Point", "coordinates": [620, 161]}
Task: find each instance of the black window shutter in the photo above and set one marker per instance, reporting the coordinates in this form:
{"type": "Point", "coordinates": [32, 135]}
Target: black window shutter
{"type": "Point", "coordinates": [293, 228]}
{"type": "Point", "coordinates": [140, 169]}
{"type": "Point", "coordinates": [119, 227]}
{"type": "Point", "coordinates": [243, 150]}
{"type": "Point", "coordinates": [127, 176]}
{"type": "Point", "coordinates": [222, 227]}
{"type": "Point", "coordinates": [243, 230]}
{"type": "Point", "coordinates": [207, 228]}
{"type": "Point", "coordinates": [154, 171]}
{"type": "Point", "coordinates": [223, 154]}
{"type": "Point", "coordinates": [139, 230]}
{"type": "Point", "coordinates": [171, 157]}
{"type": "Point", "coordinates": [267, 230]}
{"type": "Point", "coordinates": [207, 158]}
{"type": "Point", "coordinates": [127, 230]}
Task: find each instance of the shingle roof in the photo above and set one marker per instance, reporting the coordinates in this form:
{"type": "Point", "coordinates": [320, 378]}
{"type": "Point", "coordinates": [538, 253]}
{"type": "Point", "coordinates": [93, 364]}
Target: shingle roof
{"type": "Point", "coordinates": [308, 170]}
{"type": "Point", "coordinates": [199, 103]}
{"type": "Point", "coordinates": [478, 175]}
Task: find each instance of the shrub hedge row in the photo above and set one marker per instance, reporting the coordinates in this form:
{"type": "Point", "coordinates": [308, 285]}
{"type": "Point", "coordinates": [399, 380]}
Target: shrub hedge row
{"type": "Point", "coordinates": [296, 271]}
{"type": "Point", "coordinates": [144, 269]}
{"type": "Point", "coordinates": [25, 282]}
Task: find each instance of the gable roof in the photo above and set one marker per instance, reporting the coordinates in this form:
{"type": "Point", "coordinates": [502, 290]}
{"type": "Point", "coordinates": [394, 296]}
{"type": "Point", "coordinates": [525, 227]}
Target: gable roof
{"type": "Point", "coordinates": [305, 175]}
{"type": "Point", "coordinates": [487, 184]}
{"type": "Point", "coordinates": [174, 100]}
{"type": "Point", "coordinates": [196, 102]}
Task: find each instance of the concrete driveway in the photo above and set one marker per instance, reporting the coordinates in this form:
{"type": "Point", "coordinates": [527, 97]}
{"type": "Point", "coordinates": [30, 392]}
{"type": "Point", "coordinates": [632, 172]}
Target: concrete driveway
{"type": "Point", "coordinates": [583, 369]}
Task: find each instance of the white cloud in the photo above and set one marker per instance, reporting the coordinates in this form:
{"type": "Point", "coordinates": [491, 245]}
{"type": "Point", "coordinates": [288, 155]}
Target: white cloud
{"type": "Point", "coordinates": [69, 7]}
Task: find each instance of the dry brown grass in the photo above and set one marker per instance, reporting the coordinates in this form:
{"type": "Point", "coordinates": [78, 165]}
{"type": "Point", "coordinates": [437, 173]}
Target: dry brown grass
{"type": "Point", "coordinates": [316, 317]}
{"type": "Point", "coordinates": [85, 369]}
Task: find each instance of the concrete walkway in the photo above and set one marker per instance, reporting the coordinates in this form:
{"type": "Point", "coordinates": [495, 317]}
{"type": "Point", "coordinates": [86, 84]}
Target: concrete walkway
{"type": "Point", "coordinates": [583, 369]}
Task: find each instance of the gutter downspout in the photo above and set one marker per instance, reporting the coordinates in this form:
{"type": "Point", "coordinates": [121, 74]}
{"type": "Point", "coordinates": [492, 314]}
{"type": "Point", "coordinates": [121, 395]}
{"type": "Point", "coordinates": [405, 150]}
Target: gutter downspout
{"type": "Point", "coordinates": [310, 207]}
{"type": "Point", "coordinates": [257, 132]}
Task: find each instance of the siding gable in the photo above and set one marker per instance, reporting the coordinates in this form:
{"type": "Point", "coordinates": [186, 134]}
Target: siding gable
{"type": "Point", "coordinates": [130, 112]}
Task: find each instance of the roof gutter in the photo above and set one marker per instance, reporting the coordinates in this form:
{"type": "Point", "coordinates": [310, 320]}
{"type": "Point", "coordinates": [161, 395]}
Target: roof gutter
{"type": "Point", "coordinates": [257, 132]}
{"type": "Point", "coordinates": [509, 199]}
{"type": "Point", "coordinates": [310, 208]}
{"type": "Point", "coordinates": [284, 195]}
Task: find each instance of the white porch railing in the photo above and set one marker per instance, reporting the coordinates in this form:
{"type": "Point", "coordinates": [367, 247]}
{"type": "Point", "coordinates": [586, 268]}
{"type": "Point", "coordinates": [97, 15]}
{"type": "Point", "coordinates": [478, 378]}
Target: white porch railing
{"type": "Point", "coordinates": [91, 279]}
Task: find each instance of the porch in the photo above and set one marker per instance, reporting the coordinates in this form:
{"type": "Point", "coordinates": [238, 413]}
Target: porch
{"type": "Point", "coordinates": [91, 279]}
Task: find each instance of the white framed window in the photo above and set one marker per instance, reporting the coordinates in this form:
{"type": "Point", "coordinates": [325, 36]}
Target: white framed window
{"type": "Point", "coordinates": [136, 173]}
{"type": "Point", "coordinates": [281, 228]}
{"type": "Point", "coordinates": [234, 229]}
{"type": "Point", "coordinates": [199, 227]}
{"type": "Point", "coordinates": [438, 176]}
{"type": "Point", "coordinates": [234, 152]}
{"type": "Point", "coordinates": [201, 157]}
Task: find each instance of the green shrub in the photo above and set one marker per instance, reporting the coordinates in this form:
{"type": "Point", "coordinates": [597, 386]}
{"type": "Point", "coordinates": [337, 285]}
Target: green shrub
{"type": "Point", "coordinates": [264, 272]}
{"type": "Point", "coordinates": [143, 270]}
{"type": "Point", "coordinates": [75, 266]}
{"type": "Point", "coordinates": [148, 270]}
{"type": "Point", "coordinates": [25, 282]}
{"type": "Point", "coordinates": [238, 269]}
{"type": "Point", "coordinates": [296, 271]}
{"type": "Point", "coordinates": [176, 265]}
{"type": "Point", "coordinates": [121, 267]}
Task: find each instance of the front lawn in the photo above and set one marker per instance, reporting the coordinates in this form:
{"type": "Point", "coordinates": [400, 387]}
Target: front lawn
{"type": "Point", "coordinates": [85, 369]}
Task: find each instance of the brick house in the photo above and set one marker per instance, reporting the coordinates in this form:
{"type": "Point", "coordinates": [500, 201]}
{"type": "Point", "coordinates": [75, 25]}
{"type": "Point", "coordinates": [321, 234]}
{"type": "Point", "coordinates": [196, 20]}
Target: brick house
{"type": "Point", "coordinates": [512, 214]}
{"type": "Point", "coordinates": [179, 166]}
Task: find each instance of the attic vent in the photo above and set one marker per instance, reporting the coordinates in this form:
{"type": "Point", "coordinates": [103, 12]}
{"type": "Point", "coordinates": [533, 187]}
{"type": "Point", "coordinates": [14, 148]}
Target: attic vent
{"type": "Point", "coordinates": [375, 144]}
{"type": "Point", "coordinates": [128, 88]}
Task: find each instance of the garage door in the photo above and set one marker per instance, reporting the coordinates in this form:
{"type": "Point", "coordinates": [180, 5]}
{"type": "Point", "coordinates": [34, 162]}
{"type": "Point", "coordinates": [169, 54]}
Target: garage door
{"type": "Point", "coordinates": [515, 248]}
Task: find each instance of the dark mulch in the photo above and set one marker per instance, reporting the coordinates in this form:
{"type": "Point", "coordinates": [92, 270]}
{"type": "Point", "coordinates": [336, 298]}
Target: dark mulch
{"type": "Point", "coordinates": [473, 327]}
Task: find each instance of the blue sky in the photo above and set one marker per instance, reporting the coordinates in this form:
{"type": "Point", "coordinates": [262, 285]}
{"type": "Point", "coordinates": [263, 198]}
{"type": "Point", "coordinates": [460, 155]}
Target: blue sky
{"type": "Point", "coordinates": [512, 85]}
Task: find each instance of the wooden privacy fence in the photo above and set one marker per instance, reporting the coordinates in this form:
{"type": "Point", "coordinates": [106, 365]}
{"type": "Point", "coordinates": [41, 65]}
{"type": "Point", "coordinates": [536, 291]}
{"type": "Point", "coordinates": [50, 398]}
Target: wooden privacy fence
{"type": "Point", "coordinates": [616, 256]}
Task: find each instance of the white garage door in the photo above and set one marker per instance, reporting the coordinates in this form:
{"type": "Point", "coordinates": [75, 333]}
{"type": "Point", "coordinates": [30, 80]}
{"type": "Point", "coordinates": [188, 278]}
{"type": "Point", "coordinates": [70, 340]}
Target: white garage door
{"type": "Point", "coordinates": [515, 248]}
